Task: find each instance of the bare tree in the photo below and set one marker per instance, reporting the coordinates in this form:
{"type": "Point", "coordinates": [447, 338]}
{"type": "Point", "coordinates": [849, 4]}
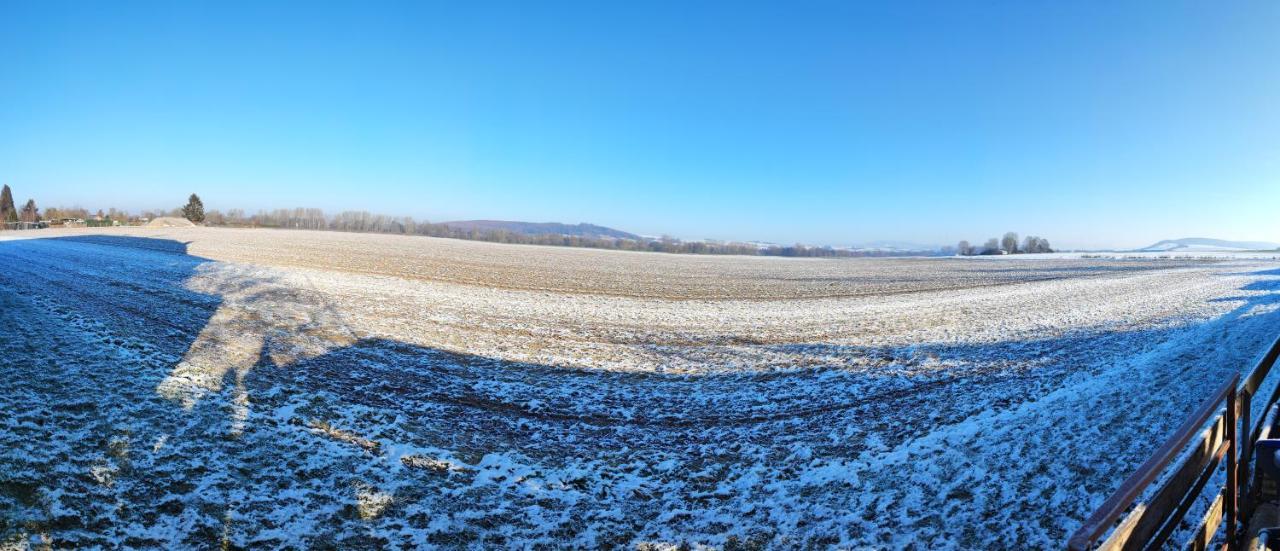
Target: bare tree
{"type": "Point", "coordinates": [992, 246]}
{"type": "Point", "coordinates": [1010, 243]}
{"type": "Point", "coordinates": [215, 218]}
{"type": "Point", "coordinates": [1035, 244]}
{"type": "Point", "coordinates": [29, 212]}
{"type": "Point", "coordinates": [964, 248]}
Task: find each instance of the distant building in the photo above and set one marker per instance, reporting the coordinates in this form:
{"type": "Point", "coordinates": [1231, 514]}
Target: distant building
{"type": "Point", "coordinates": [25, 225]}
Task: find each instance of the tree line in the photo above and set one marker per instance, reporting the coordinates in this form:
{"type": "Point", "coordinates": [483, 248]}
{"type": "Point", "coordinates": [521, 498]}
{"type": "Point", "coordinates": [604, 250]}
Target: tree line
{"type": "Point", "coordinates": [30, 213]}
{"type": "Point", "coordinates": [1006, 245]}
{"type": "Point", "coordinates": [367, 222]}
{"type": "Point", "coordinates": [9, 213]}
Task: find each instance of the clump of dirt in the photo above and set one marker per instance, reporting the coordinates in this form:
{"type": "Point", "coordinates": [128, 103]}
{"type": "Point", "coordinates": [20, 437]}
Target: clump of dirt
{"type": "Point", "coordinates": [169, 222]}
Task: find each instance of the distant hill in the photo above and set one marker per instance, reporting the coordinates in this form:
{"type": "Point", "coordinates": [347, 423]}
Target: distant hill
{"type": "Point", "coordinates": [901, 246]}
{"type": "Point", "coordinates": [543, 228]}
{"type": "Point", "coordinates": [1196, 244]}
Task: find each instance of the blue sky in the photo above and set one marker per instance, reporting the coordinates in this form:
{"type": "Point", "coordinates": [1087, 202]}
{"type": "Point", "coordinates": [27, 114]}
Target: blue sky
{"type": "Point", "coordinates": [1092, 124]}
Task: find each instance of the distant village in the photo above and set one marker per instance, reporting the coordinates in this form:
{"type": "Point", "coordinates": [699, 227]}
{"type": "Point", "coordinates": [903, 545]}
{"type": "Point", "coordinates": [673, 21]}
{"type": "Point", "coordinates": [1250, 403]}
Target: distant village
{"type": "Point", "coordinates": [30, 217]}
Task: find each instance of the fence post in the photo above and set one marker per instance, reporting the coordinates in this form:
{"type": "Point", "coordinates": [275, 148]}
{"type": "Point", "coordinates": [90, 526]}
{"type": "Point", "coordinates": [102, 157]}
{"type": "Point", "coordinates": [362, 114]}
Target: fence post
{"type": "Point", "coordinates": [1245, 437]}
{"type": "Point", "coordinates": [1233, 485]}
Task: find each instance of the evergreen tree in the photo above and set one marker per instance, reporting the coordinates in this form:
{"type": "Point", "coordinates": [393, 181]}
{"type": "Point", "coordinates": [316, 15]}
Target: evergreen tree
{"type": "Point", "coordinates": [7, 211]}
{"type": "Point", "coordinates": [29, 211]}
{"type": "Point", "coordinates": [194, 211]}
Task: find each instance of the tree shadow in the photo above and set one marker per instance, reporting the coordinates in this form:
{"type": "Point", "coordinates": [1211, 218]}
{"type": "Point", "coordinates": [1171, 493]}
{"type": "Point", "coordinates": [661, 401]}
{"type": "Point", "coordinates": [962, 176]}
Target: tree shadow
{"type": "Point", "coordinates": [164, 400]}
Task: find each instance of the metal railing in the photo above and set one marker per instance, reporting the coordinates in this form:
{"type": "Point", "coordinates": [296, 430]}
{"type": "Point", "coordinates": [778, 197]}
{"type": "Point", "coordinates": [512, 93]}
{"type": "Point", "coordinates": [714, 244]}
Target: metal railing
{"type": "Point", "coordinates": [1226, 435]}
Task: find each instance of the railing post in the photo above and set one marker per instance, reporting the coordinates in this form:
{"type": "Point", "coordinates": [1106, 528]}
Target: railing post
{"type": "Point", "coordinates": [1245, 437]}
{"type": "Point", "coordinates": [1106, 514]}
{"type": "Point", "coordinates": [1233, 485]}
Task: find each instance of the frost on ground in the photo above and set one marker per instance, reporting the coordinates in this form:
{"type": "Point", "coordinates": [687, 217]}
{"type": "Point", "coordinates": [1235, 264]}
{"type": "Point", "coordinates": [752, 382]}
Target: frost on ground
{"type": "Point", "coordinates": [194, 387]}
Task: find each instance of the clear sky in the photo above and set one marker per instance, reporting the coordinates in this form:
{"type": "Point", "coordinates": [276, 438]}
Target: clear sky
{"type": "Point", "coordinates": [1089, 123]}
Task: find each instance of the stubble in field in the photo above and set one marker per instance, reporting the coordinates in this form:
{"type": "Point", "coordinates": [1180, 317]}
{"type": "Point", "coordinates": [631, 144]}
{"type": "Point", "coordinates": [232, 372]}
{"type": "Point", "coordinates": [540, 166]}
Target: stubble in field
{"type": "Point", "coordinates": [306, 388]}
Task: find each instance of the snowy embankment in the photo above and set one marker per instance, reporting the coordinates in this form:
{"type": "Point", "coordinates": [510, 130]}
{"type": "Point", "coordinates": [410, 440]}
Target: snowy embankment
{"type": "Point", "coordinates": [188, 387]}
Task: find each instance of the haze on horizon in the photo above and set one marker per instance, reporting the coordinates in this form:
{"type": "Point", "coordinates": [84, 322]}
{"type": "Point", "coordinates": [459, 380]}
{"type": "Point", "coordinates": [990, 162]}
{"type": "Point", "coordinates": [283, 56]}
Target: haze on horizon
{"type": "Point", "coordinates": [1092, 125]}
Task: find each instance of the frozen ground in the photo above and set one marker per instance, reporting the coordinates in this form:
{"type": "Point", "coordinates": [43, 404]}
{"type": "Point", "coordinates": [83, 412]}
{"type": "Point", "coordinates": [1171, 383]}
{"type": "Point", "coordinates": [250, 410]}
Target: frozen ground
{"type": "Point", "coordinates": [253, 388]}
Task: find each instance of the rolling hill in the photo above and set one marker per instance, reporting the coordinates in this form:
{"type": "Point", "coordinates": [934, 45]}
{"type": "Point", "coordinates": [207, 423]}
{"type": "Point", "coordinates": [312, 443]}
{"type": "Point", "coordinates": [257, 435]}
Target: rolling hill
{"type": "Point", "coordinates": [543, 228]}
{"type": "Point", "coordinates": [1192, 244]}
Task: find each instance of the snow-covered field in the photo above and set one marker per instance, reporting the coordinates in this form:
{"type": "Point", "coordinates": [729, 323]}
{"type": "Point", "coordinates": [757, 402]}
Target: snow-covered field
{"type": "Point", "coordinates": [193, 387]}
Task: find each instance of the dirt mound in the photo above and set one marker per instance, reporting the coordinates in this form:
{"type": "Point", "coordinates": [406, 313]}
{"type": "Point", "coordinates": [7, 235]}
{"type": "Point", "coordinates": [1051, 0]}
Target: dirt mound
{"type": "Point", "coordinates": [169, 222]}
